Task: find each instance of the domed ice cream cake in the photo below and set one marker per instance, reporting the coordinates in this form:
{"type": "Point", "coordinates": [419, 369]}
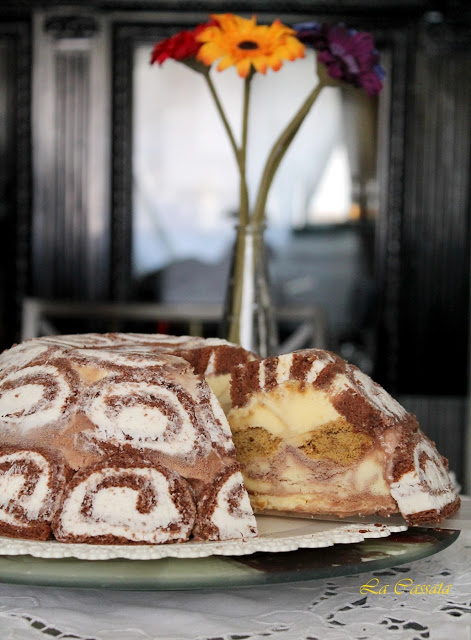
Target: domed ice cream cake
{"type": "Point", "coordinates": [314, 434]}
{"type": "Point", "coordinates": [106, 439]}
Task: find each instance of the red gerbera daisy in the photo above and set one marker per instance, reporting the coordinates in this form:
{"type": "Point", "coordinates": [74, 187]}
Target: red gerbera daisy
{"type": "Point", "coordinates": [180, 46]}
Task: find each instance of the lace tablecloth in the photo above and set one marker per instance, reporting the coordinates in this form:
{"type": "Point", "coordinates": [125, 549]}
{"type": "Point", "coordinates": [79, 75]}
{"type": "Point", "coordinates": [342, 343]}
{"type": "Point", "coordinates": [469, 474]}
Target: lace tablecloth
{"type": "Point", "coordinates": [329, 609]}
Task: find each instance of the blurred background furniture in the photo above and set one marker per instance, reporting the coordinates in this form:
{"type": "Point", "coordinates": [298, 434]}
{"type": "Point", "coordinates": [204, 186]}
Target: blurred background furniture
{"type": "Point", "coordinates": [302, 327]}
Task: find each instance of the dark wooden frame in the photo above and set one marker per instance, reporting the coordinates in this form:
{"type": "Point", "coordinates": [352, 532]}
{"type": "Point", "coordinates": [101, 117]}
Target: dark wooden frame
{"type": "Point", "coordinates": [16, 167]}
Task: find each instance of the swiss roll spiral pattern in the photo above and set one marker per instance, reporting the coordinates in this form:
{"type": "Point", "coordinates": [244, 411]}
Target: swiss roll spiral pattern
{"type": "Point", "coordinates": [120, 502]}
{"type": "Point", "coordinates": [427, 486]}
{"type": "Point", "coordinates": [137, 433]}
{"type": "Point", "coordinates": [36, 396]}
{"type": "Point", "coordinates": [144, 415]}
{"type": "Point", "coordinates": [30, 489]}
{"type": "Point", "coordinates": [225, 508]}
{"type": "Point", "coordinates": [21, 355]}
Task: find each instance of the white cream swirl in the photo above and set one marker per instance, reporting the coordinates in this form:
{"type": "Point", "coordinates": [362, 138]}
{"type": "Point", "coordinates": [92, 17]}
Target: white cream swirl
{"type": "Point", "coordinates": [21, 355]}
{"type": "Point", "coordinates": [232, 514]}
{"type": "Point", "coordinates": [143, 415]}
{"type": "Point", "coordinates": [24, 487]}
{"type": "Point", "coordinates": [427, 486]}
{"type": "Point", "coordinates": [123, 357]}
{"type": "Point", "coordinates": [132, 503]}
{"type": "Point", "coordinates": [379, 398]}
{"type": "Point", "coordinates": [34, 397]}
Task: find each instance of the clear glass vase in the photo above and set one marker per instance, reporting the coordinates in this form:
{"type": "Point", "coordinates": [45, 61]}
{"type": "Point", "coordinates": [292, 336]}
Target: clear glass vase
{"type": "Point", "coordinates": [248, 314]}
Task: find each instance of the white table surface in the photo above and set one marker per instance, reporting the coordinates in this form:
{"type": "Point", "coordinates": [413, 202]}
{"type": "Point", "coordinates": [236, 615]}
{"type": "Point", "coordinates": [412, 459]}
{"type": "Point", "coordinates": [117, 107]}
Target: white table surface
{"type": "Point", "coordinates": [329, 609]}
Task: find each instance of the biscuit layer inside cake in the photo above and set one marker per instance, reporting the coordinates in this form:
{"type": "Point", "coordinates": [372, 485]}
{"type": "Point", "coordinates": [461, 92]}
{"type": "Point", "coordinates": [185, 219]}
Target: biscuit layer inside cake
{"type": "Point", "coordinates": [298, 452]}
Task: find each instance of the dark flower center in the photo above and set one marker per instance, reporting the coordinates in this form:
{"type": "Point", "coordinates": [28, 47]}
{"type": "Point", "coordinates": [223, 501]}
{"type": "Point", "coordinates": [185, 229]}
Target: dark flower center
{"type": "Point", "coordinates": [247, 45]}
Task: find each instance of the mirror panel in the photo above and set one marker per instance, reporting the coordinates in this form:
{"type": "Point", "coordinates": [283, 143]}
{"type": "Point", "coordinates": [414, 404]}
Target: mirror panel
{"type": "Point", "coordinates": [321, 209]}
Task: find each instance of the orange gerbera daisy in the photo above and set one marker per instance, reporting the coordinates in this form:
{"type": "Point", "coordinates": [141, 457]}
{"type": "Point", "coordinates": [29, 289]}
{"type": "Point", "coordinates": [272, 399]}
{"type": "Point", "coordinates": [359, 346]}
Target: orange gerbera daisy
{"type": "Point", "coordinates": [235, 41]}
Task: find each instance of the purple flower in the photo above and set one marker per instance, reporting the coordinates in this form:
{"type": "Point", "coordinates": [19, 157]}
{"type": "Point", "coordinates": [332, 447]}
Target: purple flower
{"type": "Point", "coordinates": [348, 55]}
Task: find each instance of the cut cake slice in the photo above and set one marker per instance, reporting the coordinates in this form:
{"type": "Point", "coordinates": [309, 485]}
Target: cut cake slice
{"type": "Point", "coordinates": [314, 434]}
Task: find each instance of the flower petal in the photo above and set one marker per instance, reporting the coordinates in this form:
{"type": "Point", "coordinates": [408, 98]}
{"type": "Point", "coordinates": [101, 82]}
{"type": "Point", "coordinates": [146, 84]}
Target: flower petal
{"type": "Point", "coordinates": [248, 44]}
{"type": "Point", "coordinates": [349, 55]}
{"type": "Point", "coordinates": [182, 45]}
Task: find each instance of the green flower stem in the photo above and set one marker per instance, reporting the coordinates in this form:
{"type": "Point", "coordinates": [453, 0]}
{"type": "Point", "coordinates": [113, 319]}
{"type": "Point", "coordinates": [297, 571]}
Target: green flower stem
{"type": "Point", "coordinates": [244, 194]}
{"type": "Point", "coordinates": [278, 151]}
{"type": "Point", "coordinates": [240, 154]}
{"type": "Point", "coordinates": [221, 112]}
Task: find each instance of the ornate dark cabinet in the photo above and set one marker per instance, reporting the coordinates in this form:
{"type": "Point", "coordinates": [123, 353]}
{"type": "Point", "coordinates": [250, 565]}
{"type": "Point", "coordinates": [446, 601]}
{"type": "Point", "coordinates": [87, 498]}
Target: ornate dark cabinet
{"type": "Point", "coordinates": [434, 277]}
{"type": "Point", "coordinates": [71, 120]}
{"type": "Point", "coordinates": [15, 172]}
{"type": "Point", "coordinates": [66, 174]}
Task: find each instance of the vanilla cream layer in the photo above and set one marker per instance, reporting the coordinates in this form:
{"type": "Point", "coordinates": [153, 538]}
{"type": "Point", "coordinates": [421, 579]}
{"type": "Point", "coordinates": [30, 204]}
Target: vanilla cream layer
{"type": "Point", "coordinates": [289, 411]}
{"type": "Point", "coordinates": [221, 386]}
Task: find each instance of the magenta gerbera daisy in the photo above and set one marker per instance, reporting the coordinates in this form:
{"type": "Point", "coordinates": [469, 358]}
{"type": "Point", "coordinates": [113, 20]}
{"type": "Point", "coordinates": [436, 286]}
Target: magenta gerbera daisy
{"type": "Point", "coordinates": [348, 55]}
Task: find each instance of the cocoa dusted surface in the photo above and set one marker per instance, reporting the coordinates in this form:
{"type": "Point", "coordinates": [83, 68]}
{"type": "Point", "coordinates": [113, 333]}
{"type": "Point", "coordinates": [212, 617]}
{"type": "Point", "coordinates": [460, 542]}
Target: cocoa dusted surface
{"type": "Point", "coordinates": [32, 531]}
{"type": "Point", "coordinates": [404, 454]}
{"type": "Point", "coordinates": [244, 382]}
{"type": "Point", "coordinates": [226, 357]}
{"type": "Point", "coordinates": [361, 411]}
{"type": "Point", "coordinates": [245, 377]}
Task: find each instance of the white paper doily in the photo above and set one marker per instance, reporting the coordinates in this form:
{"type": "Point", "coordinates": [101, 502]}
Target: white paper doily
{"type": "Point", "coordinates": [275, 535]}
